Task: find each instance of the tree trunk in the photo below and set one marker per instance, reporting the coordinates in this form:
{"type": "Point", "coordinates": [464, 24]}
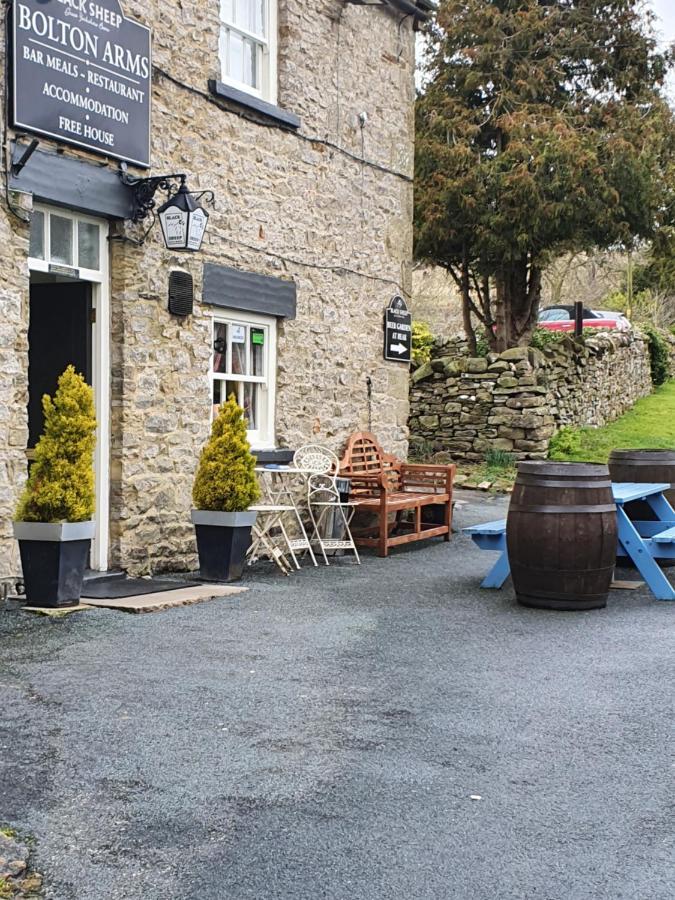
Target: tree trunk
{"type": "Point", "coordinates": [469, 330]}
{"type": "Point", "coordinates": [518, 293]}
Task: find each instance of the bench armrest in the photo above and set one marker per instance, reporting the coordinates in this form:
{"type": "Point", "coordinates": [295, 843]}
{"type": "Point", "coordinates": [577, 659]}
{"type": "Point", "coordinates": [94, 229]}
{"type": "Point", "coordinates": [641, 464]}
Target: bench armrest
{"type": "Point", "coordinates": [374, 484]}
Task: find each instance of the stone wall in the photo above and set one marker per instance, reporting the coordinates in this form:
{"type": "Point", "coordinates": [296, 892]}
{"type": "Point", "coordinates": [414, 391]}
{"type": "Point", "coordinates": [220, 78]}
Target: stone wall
{"type": "Point", "coordinates": [13, 377]}
{"type": "Point", "coordinates": [670, 340]}
{"type": "Point", "coordinates": [329, 206]}
{"type": "Point", "coordinates": [516, 400]}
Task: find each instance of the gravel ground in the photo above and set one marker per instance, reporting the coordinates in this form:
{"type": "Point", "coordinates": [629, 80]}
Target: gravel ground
{"type": "Point", "coordinates": [322, 736]}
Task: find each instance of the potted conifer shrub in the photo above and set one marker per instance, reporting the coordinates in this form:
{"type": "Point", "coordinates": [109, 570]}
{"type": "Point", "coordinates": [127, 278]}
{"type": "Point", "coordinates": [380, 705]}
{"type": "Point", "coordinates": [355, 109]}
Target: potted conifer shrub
{"type": "Point", "coordinates": [53, 522]}
{"type": "Point", "coordinates": [224, 488]}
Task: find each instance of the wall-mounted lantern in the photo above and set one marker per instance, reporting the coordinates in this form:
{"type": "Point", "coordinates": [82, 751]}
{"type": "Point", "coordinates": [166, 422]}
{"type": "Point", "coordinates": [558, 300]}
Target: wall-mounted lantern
{"type": "Point", "coordinates": [182, 219]}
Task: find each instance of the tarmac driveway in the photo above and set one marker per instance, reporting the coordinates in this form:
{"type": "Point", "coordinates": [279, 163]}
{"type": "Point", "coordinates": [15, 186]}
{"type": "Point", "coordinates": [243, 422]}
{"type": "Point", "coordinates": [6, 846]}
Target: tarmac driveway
{"type": "Point", "coordinates": [322, 736]}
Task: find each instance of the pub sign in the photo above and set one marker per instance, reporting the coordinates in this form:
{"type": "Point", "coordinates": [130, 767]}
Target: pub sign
{"type": "Point", "coordinates": [82, 75]}
{"type": "Point", "coordinates": [398, 331]}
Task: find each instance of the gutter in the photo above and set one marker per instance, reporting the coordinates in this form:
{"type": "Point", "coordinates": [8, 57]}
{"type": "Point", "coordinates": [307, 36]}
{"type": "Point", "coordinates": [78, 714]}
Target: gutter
{"type": "Point", "coordinates": [419, 9]}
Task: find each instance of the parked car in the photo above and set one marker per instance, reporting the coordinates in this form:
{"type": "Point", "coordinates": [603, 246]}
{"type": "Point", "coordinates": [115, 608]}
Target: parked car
{"type": "Point", "coordinates": [561, 318]}
{"type": "Point", "coordinates": [622, 323]}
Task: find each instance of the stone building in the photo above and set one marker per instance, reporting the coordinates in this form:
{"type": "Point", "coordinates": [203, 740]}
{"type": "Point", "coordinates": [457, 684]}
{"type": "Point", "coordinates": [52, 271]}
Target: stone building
{"type": "Point", "coordinates": [298, 116]}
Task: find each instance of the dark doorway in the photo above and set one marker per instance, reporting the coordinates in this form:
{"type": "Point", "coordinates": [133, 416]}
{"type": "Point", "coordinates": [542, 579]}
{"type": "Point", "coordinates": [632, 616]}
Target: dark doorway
{"type": "Point", "coordinates": [59, 333]}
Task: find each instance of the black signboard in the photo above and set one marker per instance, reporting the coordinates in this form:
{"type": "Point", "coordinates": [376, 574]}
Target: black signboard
{"type": "Point", "coordinates": [398, 331]}
{"type": "Point", "coordinates": [82, 74]}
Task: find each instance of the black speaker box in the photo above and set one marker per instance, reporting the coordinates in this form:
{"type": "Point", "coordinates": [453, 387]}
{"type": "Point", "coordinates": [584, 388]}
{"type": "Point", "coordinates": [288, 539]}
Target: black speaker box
{"type": "Point", "coordinates": [181, 293]}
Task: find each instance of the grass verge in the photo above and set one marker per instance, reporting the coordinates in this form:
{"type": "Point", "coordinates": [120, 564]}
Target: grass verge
{"type": "Point", "coordinates": [649, 425]}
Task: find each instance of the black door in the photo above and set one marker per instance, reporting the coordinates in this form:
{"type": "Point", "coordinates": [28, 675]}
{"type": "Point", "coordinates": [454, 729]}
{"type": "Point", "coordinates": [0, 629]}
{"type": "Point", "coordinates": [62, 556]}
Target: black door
{"type": "Point", "coordinates": [59, 334]}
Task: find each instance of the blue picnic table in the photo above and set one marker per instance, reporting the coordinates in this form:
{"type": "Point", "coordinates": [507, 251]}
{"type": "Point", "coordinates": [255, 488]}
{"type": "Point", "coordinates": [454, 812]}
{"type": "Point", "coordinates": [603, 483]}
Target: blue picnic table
{"type": "Point", "coordinates": [642, 542]}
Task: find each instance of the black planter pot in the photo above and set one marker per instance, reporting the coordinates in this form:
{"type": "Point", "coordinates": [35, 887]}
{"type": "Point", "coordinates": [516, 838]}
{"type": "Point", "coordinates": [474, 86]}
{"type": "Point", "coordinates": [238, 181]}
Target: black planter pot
{"type": "Point", "coordinates": [53, 560]}
{"type": "Point", "coordinates": [222, 542]}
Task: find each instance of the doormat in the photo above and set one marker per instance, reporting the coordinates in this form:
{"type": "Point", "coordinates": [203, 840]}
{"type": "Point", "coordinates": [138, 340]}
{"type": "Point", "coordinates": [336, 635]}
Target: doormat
{"type": "Point", "coordinates": [167, 599]}
{"type": "Point", "coordinates": [115, 588]}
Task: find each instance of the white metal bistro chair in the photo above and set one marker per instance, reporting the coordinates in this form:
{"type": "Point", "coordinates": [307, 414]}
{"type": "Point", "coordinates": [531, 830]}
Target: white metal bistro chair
{"type": "Point", "coordinates": [330, 516]}
{"type": "Point", "coordinates": [316, 459]}
{"type": "Point", "coordinates": [319, 460]}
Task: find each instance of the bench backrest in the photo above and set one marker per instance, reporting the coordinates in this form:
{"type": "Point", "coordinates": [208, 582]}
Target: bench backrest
{"type": "Point", "coordinates": [364, 457]}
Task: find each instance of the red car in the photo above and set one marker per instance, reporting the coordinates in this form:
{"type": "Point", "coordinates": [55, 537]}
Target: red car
{"type": "Point", "coordinates": [561, 318]}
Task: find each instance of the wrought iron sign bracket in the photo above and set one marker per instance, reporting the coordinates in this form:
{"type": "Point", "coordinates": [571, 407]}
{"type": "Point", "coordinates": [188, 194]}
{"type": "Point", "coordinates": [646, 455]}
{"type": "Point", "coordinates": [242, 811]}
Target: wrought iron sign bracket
{"type": "Point", "coordinates": [144, 190]}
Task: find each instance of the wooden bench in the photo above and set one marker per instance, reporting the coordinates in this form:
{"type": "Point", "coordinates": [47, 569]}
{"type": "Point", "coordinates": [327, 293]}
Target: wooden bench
{"type": "Point", "coordinates": [383, 484]}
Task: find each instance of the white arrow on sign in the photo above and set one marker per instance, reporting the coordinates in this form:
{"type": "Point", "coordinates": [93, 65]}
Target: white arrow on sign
{"type": "Point", "coordinates": [398, 348]}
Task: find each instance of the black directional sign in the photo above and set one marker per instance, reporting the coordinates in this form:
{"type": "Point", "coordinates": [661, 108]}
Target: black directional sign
{"type": "Point", "coordinates": [82, 75]}
{"type": "Point", "coordinates": [398, 331]}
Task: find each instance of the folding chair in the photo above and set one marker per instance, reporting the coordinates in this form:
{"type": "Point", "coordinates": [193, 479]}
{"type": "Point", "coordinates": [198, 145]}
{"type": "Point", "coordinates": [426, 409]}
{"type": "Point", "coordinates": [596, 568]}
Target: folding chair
{"type": "Point", "coordinates": [265, 543]}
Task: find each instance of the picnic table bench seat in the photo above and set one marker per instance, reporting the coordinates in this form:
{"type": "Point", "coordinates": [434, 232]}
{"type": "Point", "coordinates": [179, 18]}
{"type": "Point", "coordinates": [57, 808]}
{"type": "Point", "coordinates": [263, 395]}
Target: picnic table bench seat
{"type": "Point", "coordinates": [498, 528]}
{"type": "Point", "coordinates": [665, 537]}
{"type": "Point", "coordinates": [384, 484]}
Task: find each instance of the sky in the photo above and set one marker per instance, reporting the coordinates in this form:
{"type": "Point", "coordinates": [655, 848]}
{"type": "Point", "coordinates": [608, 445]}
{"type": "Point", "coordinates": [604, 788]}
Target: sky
{"type": "Point", "coordinates": [665, 28]}
{"type": "Point", "coordinates": [665, 9]}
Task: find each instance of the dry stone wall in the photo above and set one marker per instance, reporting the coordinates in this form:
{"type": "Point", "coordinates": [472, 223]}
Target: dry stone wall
{"type": "Point", "coordinates": [515, 401]}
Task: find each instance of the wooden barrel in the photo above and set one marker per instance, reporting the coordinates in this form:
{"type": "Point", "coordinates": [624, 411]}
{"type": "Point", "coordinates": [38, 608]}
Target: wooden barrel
{"type": "Point", "coordinates": [561, 535]}
{"type": "Point", "coordinates": [642, 466]}
{"type": "Point", "coordinates": [655, 466]}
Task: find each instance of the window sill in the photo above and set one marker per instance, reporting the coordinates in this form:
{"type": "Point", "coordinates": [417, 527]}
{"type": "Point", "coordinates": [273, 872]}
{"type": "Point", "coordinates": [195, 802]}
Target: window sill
{"type": "Point", "coordinates": [276, 456]}
{"type": "Point", "coordinates": [253, 108]}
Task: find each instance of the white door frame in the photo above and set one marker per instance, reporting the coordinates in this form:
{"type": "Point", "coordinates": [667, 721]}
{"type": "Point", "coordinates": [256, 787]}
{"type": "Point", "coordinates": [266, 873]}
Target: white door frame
{"type": "Point", "coordinates": [100, 351]}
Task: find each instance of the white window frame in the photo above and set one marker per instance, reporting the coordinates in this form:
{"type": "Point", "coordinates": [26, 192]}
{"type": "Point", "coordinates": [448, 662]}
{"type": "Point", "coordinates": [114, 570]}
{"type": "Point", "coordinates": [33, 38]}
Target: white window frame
{"type": "Point", "coordinates": [85, 274]}
{"type": "Point", "coordinates": [100, 345]}
{"type": "Point", "coordinates": [262, 438]}
{"type": "Point", "coordinates": [268, 43]}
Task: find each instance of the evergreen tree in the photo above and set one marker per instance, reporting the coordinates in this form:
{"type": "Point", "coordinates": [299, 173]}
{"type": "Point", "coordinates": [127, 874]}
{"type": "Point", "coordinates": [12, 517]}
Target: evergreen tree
{"type": "Point", "coordinates": [542, 130]}
{"type": "Point", "coordinates": [225, 478]}
{"type": "Point", "coordinates": [657, 274]}
{"type": "Point", "coordinates": [60, 485]}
